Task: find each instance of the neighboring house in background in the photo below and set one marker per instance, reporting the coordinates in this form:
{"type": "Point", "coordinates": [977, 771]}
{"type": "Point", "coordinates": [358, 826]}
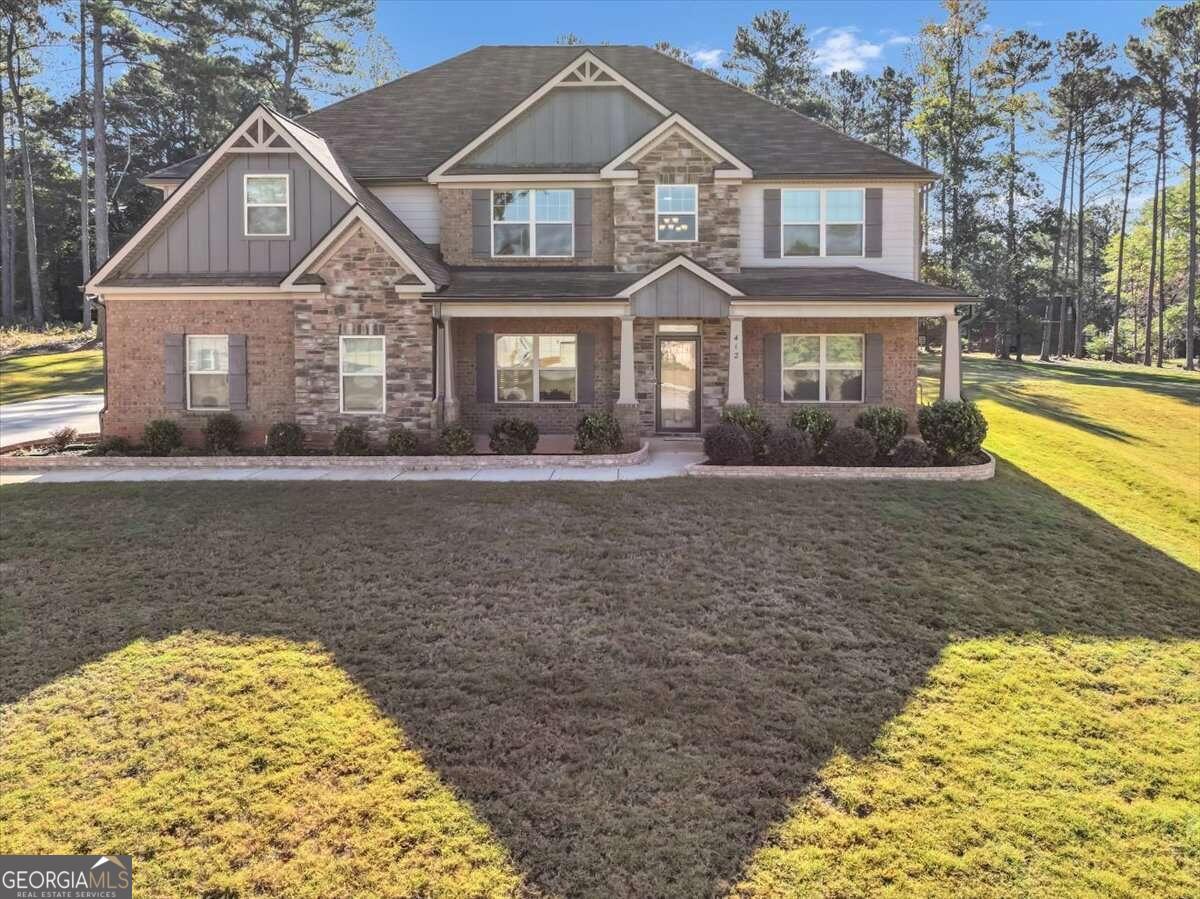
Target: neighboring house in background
{"type": "Point", "coordinates": [529, 231]}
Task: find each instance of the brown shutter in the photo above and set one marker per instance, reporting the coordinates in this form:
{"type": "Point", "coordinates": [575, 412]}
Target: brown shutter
{"type": "Point", "coordinates": [583, 222]}
{"type": "Point", "coordinates": [873, 368]}
{"type": "Point", "coordinates": [175, 371]}
{"type": "Point", "coordinates": [772, 368]}
{"type": "Point", "coordinates": [772, 216]}
{"type": "Point", "coordinates": [237, 372]}
{"type": "Point", "coordinates": [585, 359]}
{"type": "Point", "coordinates": [485, 368]}
{"type": "Point", "coordinates": [873, 223]}
{"type": "Point", "coordinates": [481, 223]}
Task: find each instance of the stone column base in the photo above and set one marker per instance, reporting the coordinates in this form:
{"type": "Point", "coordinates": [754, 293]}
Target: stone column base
{"type": "Point", "coordinates": [450, 411]}
{"type": "Point", "coordinates": [628, 416]}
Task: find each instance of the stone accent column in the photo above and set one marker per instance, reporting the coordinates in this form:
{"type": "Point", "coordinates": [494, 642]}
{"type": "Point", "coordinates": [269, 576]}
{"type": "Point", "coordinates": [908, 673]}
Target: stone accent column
{"type": "Point", "coordinates": [736, 395]}
{"type": "Point", "coordinates": [951, 364]}
{"type": "Point", "coordinates": [449, 400]}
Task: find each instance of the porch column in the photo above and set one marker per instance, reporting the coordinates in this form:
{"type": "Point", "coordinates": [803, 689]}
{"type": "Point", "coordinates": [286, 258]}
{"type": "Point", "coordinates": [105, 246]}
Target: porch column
{"type": "Point", "coordinates": [951, 367]}
{"type": "Point", "coordinates": [449, 400]}
{"type": "Point", "coordinates": [737, 375]}
{"type": "Point", "coordinates": [628, 396]}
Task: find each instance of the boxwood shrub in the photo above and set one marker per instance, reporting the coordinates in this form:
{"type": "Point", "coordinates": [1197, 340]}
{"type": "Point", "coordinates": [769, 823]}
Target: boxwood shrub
{"type": "Point", "coordinates": [954, 430]}
{"type": "Point", "coordinates": [285, 438]}
{"type": "Point", "coordinates": [886, 424]}
{"type": "Point", "coordinates": [351, 440]}
{"type": "Point", "coordinates": [456, 440]}
{"type": "Point", "coordinates": [816, 423]}
{"type": "Point", "coordinates": [750, 420]}
{"type": "Point", "coordinates": [160, 436]}
{"type": "Point", "coordinates": [851, 447]}
{"type": "Point", "coordinates": [912, 452]}
{"type": "Point", "coordinates": [787, 446]}
{"type": "Point", "coordinates": [728, 444]}
{"type": "Point", "coordinates": [513, 437]}
{"type": "Point", "coordinates": [599, 432]}
{"type": "Point", "coordinates": [222, 433]}
{"type": "Point", "coordinates": [402, 442]}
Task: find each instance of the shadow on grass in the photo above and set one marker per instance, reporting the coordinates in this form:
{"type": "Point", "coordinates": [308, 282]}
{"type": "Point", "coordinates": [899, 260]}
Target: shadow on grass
{"type": "Point", "coordinates": [1180, 386]}
{"type": "Point", "coordinates": [1055, 408]}
{"type": "Point", "coordinates": [632, 685]}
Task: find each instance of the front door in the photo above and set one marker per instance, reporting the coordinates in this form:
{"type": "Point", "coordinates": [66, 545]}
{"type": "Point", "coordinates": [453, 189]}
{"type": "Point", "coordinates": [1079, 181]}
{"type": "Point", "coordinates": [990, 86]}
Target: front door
{"type": "Point", "coordinates": [679, 384]}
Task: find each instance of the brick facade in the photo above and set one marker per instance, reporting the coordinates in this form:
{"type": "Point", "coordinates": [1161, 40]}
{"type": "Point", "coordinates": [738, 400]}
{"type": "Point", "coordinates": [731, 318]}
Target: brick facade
{"type": "Point", "coordinates": [456, 244]}
{"type": "Point", "coordinates": [360, 299]}
{"type": "Point", "coordinates": [135, 332]}
{"type": "Point", "coordinates": [676, 160]}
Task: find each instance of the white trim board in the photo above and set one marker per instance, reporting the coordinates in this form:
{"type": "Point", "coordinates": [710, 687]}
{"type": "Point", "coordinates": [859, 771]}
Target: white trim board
{"type": "Point", "coordinates": [832, 308]}
{"type": "Point", "coordinates": [548, 309]}
{"type": "Point", "coordinates": [664, 130]}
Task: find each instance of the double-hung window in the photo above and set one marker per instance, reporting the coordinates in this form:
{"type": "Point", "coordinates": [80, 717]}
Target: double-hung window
{"type": "Point", "coordinates": [536, 368]}
{"type": "Point", "coordinates": [533, 223]}
{"type": "Point", "coordinates": [207, 372]}
{"type": "Point", "coordinates": [822, 368]}
{"type": "Point", "coordinates": [267, 212]}
{"type": "Point", "coordinates": [675, 213]}
{"type": "Point", "coordinates": [361, 371]}
{"type": "Point", "coordinates": [822, 222]}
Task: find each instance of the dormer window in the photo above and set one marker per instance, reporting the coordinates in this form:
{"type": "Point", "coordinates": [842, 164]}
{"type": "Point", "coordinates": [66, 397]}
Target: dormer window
{"type": "Point", "coordinates": [267, 212]}
{"type": "Point", "coordinates": [675, 208]}
{"type": "Point", "coordinates": [533, 223]}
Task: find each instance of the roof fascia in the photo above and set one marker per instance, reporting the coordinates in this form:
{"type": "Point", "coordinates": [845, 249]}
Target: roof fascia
{"type": "Point", "coordinates": [681, 262]}
{"type": "Point", "coordinates": [660, 132]}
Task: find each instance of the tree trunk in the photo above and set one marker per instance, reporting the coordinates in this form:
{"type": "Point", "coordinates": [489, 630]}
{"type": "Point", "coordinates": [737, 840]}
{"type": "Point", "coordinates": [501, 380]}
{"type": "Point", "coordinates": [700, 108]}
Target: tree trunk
{"type": "Point", "coordinates": [1013, 299]}
{"type": "Point", "coordinates": [85, 243]}
{"type": "Point", "coordinates": [1077, 347]}
{"type": "Point", "coordinates": [99, 139]}
{"type": "Point", "coordinates": [1153, 258]}
{"type": "Point", "coordinates": [1189, 361]}
{"type": "Point", "coordinates": [1053, 305]}
{"type": "Point", "coordinates": [35, 283]}
{"type": "Point", "coordinates": [6, 261]}
{"type": "Point", "coordinates": [1116, 332]}
{"type": "Point", "coordinates": [1162, 262]}
{"type": "Point", "coordinates": [1067, 302]}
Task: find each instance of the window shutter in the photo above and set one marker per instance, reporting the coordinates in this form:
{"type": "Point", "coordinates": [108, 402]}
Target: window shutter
{"type": "Point", "coordinates": [772, 216]}
{"type": "Point", "coordinates": [873, 368]}
{"type": "Point", "coordinates": [481, 223]}
{"type": "Point", "coordinates": [237, 372]}
{"type": "Point", "coordinates": [585, 362]}
{"type": "Point", "coordinates": [873, 223]}
{"type": "Point", "coordinates": [772, 368]}
{"type": "Point", "coordinates": [583, 222]}
{"type": "Point", "coordinates": [175, 371]}
{"type": "Point", "coordinates": [485, 368]}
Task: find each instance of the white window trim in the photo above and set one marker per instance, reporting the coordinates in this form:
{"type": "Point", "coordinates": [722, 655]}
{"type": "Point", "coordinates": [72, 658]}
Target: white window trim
{"type": "Point", "coordinates": [822, 367]}
{"type": "Point", "coordinates": [187, 369]}
{"type": "Point", "coordinates": [696, 192]}
{"type": "Point", "coordinates": [342, 338]}
{"type": "Point", "coordinates": [537, 371]}
{"type": "Point", "coordinates": [821, 223]}
{"type": "Point", "coordinates": [533, 223]}
{"type": "Point", "coordinates": [286, 204]}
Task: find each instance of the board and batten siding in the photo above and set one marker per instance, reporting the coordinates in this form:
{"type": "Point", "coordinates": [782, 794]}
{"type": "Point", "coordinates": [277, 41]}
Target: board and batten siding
{"type": "Point", "coordinates": [206, 235]}
{"type": "Point", "coordinates": [416, 205]}
{"type": "Point", "coordinates": [899, 230]}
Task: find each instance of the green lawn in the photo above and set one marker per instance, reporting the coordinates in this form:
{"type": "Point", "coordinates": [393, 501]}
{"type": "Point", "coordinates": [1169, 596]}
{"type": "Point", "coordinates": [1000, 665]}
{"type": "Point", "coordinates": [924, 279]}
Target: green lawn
{"type": "Point", "coordinates": [36, 377]}
{"type": "Point", "coordinates": [686, 688]}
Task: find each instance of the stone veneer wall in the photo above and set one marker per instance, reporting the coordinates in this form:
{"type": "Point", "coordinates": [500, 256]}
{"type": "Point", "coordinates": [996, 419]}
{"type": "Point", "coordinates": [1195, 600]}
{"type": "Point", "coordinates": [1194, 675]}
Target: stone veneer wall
{"type": "Point", "coordinates": [899, 362]}
{"type": "Point", "coordinates": [456, 244]}
{"type": "Point", "coordinates": [360, 299]}
{"type": "Point", "coordinates": [714, 370]}
{"type": "Point", "coordinates": [136, 368]}
{"type": "Point", "coordinates": [676, 160]}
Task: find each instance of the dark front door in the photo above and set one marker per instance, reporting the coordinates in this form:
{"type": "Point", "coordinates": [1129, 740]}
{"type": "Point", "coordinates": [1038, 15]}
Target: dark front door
{"type": "Point", "coordinates": [679, 384]}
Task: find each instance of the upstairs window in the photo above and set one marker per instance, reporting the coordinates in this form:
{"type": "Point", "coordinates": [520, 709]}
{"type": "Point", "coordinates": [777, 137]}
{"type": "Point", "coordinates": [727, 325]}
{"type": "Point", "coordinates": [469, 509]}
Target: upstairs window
{"type": "Point", "coordinates": [537, 368]}
{"type": "Point", "coordinates": [822, 222]}
{"type": "Point", "coordinates": [533, 223]}
{"type": "Point", "coordinates": [266, 207]}
{"type": "Point", "coordinates": [675, 212]}
{"type": "Point", "coordinates": [207, 372]}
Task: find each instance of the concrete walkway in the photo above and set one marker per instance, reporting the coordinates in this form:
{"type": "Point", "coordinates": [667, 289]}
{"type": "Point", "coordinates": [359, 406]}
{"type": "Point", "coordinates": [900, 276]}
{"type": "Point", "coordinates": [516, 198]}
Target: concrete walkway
{"type": "Point", "coordinates": [37, 419]}
{"type": "Point", "coordinates": [666, 460]}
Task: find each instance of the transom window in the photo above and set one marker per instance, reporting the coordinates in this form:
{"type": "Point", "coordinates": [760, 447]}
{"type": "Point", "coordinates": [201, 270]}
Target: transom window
{"type": "Point", "coordinates": [267, 213]}
{"type": "Point", "coordinates": [362, 374]}
{"type": "Point", "coordinates": [533, 223]}
{"type": "Point", "coordinates": [536, 368]}
{"type": "Point", "coordinates": [207, 372]}
{"type": "Point", "coordinates": [822, 368]}
{"type": "Point", "coordinates": [822, 222]}
{"type": "Point", "coordinates": [675, 208]}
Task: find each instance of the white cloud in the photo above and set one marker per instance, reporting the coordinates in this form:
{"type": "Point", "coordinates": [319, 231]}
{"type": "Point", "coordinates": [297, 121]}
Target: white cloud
{"type": "Point", "coordinates": [844, 49]}
{"type": "Point", "coordinates": [708, 59]}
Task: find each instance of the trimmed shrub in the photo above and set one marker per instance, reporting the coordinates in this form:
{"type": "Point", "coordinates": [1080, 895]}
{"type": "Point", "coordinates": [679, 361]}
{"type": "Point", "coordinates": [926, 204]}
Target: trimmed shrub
{"type": "Point", "coordinates": [351, 440]}
{"type": "Point", "coordinates": [62, 438]}
{"type": "Point", "coordinates": [161, 436]}
{"type": "Point", "coordinates": [954, 430]}
{"type": "Point", "coordinates": [402, 442]}
{"type": "Point", "coordinates": [816, 423]}
{"type": "Point", "coordinates": [285, 438]}
{"type": "Point", "coordinates": [886, 424]}
{"type": "Point", "coordinates": [750, 420]}
{"type": "Point", "coordinates": [222, 433]}
{"type": "Point", "coordinates": [850, 446]}
{"type": "Point", "coordinates": [728, 444]}
{"type": "Point", "coordinates": [912, 452]}
{"type": "Point", "coordinates": [112, 446]}
{"type": "Point", "coordinates": [599, 432]}
{"type": "Point", "coordinates": [456, 440]}
{"type": "Point", "coordinates": [513, 437]}
{"type": "Point", "coordinates": [787, 446]}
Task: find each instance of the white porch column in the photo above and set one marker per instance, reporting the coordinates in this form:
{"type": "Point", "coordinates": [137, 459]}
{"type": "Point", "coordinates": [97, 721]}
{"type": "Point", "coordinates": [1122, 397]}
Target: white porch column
{"type": "Point", "coordinates": [448, 396]}
{"type": "Point", "coordinates": [951, 364]}
{"type": "Point", "coordinates": [628, 394]}
{"type": "Point", "coordinates": [737, 374]}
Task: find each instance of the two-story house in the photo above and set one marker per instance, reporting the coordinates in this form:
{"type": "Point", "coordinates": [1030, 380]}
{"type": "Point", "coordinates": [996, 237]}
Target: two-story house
{"type": "Point", "coordinates": [530, 231]}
